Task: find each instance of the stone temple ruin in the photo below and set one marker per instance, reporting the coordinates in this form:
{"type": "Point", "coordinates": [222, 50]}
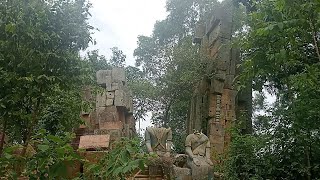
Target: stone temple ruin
{"type": "Point", "coordinates": [111, 118]}
{"type": "Point", "coordinates": [216, 104]}
{"type": "Point", "coordinates": [215, 107]}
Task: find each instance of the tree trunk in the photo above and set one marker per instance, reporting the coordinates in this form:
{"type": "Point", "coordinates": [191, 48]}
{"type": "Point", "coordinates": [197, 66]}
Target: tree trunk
{"type": "Point", "coordinates": [34, 120]}
{"type": "Point", "coordinates": [314, 38]}
{"type": "Point", "coordinates": [3, 135]}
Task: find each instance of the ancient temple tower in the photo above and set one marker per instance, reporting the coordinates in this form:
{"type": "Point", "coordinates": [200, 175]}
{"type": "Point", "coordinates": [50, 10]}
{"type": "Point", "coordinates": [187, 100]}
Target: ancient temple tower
{"type": "Point", "coordinates": [216, 104]}
{"type": "Point", "coordinates": [112, 116]}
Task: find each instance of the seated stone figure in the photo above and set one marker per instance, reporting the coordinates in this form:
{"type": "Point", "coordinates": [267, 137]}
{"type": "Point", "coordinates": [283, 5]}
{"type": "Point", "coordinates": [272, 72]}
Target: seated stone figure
{"type": "Point", "coordinates": [159, 141]}
{"type": "Point", "coordinates": [198, 151]}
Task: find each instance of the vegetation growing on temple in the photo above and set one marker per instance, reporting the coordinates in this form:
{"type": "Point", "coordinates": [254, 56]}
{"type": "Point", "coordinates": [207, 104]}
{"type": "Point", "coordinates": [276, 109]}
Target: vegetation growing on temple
{"type": "Point", "coordinates": [42, 72]}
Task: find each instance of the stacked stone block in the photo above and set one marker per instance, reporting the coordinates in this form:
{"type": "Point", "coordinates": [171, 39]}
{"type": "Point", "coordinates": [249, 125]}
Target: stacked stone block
{"type": "Point", "coordinates": [114, 104]}
{"type": "Point", "coordinates": [111, 118]}
{"type": "Point", "coordinates": [216, 104]}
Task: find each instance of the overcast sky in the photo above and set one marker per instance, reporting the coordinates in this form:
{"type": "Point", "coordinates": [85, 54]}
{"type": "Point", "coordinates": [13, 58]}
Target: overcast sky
{"type": "Point", "coordinates": [121, 21]}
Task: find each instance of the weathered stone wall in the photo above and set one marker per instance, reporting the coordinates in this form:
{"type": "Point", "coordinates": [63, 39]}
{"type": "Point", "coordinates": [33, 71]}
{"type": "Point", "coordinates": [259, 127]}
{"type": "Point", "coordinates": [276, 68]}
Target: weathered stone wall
{"type": "Point", "coordinates": [216, 104]}
{"type": "Point", "coordinates": [112, 114]}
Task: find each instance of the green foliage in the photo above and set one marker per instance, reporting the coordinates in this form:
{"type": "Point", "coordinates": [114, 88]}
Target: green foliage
{"type": "Point", "coordinates": [118, 58]}
{"type": "Point", "coordinates": [172, 65]}
{"type": "Point", "coordinates": [96, 62]}
{"type": "Point", "coordinates": [242, 162]}
{"type": "Point", "coordinates": [124, 158]}
{"type": "Point", "coordinates": [39, 57]}
{"type": "Point", "coordinates": [59, 115]}
{"type": "Point", "coordinates": [47, 158]}
{"type": "Point", "coordinates": [280, 46]}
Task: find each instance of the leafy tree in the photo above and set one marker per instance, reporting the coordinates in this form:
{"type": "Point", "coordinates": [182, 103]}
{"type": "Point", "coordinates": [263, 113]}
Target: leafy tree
{"type": "Point", "coordinates": [280, 47]}
{"type": "Point", "coordinates": [172, 64]}
{"type": "Point", "coordinates": [39, 57]}
{"type": "Point", "coordinates": [118, 58]}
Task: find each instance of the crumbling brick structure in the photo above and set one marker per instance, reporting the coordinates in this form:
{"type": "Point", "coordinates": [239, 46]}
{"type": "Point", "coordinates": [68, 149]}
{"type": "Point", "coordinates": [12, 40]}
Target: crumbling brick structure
{"type": "Point", "coordinates": [216, 104]}
{"type": "Point", "coordinates": [112, 117]}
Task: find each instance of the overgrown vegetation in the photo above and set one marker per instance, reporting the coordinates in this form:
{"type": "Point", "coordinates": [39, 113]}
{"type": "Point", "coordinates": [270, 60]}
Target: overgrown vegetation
{"type": "Point", "coordinates": [41, 73]}
{"type": "Point", "coordinates": [173, 65]}
{"type": "Point", "coordinates": [47, 157]}
{"type": "Point", "coordinates": [125, 158]}
{"type": "Point", "coordinates": [281, 55]}
{"type": "Point", "coordinates": [40, 66]}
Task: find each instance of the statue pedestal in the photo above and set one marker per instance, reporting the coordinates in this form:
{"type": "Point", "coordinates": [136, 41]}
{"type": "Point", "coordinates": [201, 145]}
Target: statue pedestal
{"type": "Point", "coordinates": [182, 173]}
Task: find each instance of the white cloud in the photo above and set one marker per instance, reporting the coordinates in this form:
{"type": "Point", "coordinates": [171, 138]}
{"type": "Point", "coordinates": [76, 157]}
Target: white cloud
{"type": "Point", "coordinates": [121, 21]}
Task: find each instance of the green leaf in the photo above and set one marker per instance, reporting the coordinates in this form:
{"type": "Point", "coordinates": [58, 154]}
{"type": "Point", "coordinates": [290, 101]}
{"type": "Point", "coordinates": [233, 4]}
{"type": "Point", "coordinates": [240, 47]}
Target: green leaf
{"type": "Point", "coordinates": [54, 139]}
{"type": "Point", "coordinates": [280, 25]}
{"type": "Point", "coordinates": [7, 156]}
{"type": "Point", "coordinates": [11, 28]}
{"type": "Point", "coordinates": [43, 148]}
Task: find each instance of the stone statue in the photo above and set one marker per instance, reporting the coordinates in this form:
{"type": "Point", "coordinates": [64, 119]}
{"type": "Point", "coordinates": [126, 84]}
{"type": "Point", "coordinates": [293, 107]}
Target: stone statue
{"type": "Point", "coordinates": [158, 141]}
{"type": "Point", "coordinates": [198, 151]}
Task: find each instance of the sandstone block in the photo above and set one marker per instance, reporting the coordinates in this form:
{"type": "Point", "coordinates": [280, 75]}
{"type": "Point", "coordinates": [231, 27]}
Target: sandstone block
{"type": "Point", "coordinates": [181, 173]}
{"type": "Point", "coordinates": [212, 111]}
{"type": "Point", "coordinates": [101, 99]}
{"type": "Point", "coordinates": [100, 132]}
{"type": "Point", "coordinates": [108, 83]}
{"type": "Point", "coordinates": [115, 134]}
{"type": "Point", "coordinates": [119, 98]}
{"type": "Point", "coordinates": [109, 102]}
{"type": "Point", "coordinates": [117, 86]}
{"type": "Point", "coordinates": [217, 137]}
{"type": "Point", "coordinates": [222, 61]}
{"type": "Point", "coordinates": [110, 95]}
{"type": "Point", "coordinates": [118, 74]}
{"type": "Point", "coordinates": [229, 99]}
{"type": "Point", "coordinates": [229, 82]}
{"type": "Point", "coordinates": [214, 34]}
{"type": "Point", "coordinates": [111, 125]}
{"type": "Point", "coordinates": [94, 141]}
{"type": "Point", "coordinates": [215, 46]}
{"type": "Point", "coordinates": [212, 24]}
{"type": "Point", "coordinates": [230, 115]}
{"type": "Point", "coordinates": [101, 77]}
{"type": "Point", "coordinates": [217, 130]}
{"type": "Point", "coordinates": [216, 86]}
{"type": "Point", "coordinates": [199, 33]}
{"type": "Point", "coordinates": [220, 75]}
{"type": "Point", "coordinates": [107, 114]}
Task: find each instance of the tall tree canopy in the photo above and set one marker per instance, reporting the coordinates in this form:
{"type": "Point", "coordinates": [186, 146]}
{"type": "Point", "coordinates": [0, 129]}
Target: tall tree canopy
{"type": "Point", "coordinates": [172, 64]}
{"type": "Point", "coordinates": [40, 66]}
{"type": "Point", "coordinates": [280, 46]}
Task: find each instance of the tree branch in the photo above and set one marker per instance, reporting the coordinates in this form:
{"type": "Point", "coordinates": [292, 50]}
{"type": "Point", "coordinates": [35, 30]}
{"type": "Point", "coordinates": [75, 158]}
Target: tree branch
{"type": "Point", "coordinates": [2, 136]}
{"type": "Point", "coordinates": [314, 37]}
